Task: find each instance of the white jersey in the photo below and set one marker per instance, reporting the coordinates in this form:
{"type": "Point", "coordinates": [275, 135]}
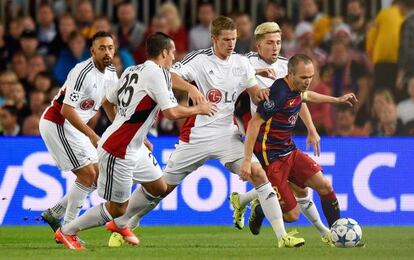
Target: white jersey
{"type": "Point", "coordinates": [221, 82]}
{"type": "Point", "coordinates": [280, 67]}
{"type": "Point", "coordinates": [141, 92]}
{"type": "Point", "coordinates": [84, 89]}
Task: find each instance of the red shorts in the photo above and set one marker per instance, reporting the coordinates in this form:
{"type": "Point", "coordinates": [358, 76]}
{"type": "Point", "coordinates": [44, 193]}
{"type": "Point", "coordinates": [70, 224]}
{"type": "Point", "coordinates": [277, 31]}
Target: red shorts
{"type": "Point", "coordinates": [296, 167]}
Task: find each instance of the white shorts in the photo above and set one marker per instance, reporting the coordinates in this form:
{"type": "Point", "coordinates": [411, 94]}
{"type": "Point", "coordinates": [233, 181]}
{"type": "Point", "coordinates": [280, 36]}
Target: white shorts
{"type": "Point", "coordinates": [69, 147]}
{"type": "Point", "coordinates": [187, 157]}
{"type": "Point", "coordinates": [117, 175]}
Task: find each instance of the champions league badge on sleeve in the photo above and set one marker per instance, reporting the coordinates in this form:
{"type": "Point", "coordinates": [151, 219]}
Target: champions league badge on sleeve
{"type": "Point", "coordinates": [269, 105]}
{"type": "Point", "coordinates": [74, 96]}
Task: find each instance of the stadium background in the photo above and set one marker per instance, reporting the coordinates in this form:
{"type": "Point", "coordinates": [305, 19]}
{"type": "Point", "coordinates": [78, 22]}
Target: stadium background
{"type": "Point", "coordinates": [372, 175]}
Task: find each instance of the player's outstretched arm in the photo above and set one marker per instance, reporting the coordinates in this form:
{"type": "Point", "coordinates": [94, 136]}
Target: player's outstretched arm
{"type": "Point", "coordinates": [177, 112]}
{"type": "Point", "coordinates": [314, 97]}
{"type": "Point", "coordinates": [266, 72]}
{"type": "Point", "coordinates": [70, 114]}
{"type": "Point", "coordinates": [251, 136]}
{"type": "Point", "coordinates": [194, 94]}
{"type": "Point", "coordinates": [313, 137]}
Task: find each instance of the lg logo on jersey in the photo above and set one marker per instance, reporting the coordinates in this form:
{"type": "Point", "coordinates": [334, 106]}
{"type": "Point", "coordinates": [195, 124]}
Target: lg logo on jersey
{"type": "Point", "coordinates": [215, 96]}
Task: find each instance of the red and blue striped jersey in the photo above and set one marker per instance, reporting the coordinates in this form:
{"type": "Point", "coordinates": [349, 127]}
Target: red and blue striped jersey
{"type": "Point", "coordinates": [280, 114]}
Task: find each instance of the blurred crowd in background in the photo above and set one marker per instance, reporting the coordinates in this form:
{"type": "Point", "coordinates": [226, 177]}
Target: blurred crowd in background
{"type": "Point", "coordinates": [374, 58]}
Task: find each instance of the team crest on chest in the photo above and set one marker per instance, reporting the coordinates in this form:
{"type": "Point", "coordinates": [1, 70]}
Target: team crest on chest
{"type": "Point", "coordinates": [87, 104]}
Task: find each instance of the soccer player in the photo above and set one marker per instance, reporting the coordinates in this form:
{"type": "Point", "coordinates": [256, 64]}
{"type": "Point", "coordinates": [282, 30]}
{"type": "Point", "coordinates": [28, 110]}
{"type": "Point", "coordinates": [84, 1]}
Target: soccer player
{"type": "Point", "coordinates": [221, 76]}
{"type": "Point", "coordinates": [269, 137]}
{"type": "Point", "coordinates": [268, 43]}
{"type": "Point", "coordinates": [143, 90]}
{"type": "Point", "coordinates": [63, 126]}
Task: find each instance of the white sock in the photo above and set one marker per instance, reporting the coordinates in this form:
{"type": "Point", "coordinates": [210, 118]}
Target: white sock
{"type": "Point", "coordinates": [76, 198]}
{"type": "Point", "coordinates": [271, 208]}
{"type": "Point", "coordinates": [93, 217]}
{"type": "Point", "coordinates": [58, 211]}
{"type": "Point", "coordinates": [134, 221]}
{"type": "Point", "coordinates": [308, 208]}
{"type": "Point", "coordinates": [141, 203]}
{"type": "Point", "coordinates": [245, 198]}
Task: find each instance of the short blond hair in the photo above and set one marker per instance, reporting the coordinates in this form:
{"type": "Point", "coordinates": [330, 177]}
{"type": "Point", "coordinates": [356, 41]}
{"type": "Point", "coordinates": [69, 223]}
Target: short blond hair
{"type": "Point", "coordinates": [222, 23]}
{"type": "Point", "coordinates": [264, 28]}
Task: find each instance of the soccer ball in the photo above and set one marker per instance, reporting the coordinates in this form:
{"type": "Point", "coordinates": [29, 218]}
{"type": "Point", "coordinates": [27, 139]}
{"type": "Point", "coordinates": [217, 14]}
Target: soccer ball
{"type": "Point", "coordinates": [345, 232]}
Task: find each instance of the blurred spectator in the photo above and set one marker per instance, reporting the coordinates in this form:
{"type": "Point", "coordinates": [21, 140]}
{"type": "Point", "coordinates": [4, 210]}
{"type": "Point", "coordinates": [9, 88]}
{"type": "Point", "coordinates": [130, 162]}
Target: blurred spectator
{"type": "Point", "coordinates": [355, 17]}
{"type": "Point", "coordinates": [8, 121]}
{"type": "Point", "coordinates": [159, 24]}
{"type": "Point", "coordinates": [388, 122]}
{"type": "Point", "coordinates": [47, 30]}
{"type": "Point", "coordinates": [288, 37]}
{"type": "Point", "coordinates": [29, 43]}
{"type": "Point", "coordinates": [43, 82]}
{"type": "Point", "coordinates": [52, 93]}
{"type": "Point", "coordinates": [66, 26]}
{"type": "Point", "coordinates": [345, 123]}
{"type": "Point", "coordinates": [129, 31]}
{"type": "Point", "coordinates": [37, 102]}
{"type": "Point", "coordinates": [245, 39]}
{"type": "Point", "coordinates": [349, 73]}
{"type": "Point", "coordinates": [322, 113]}
{"type": "Point", "coordinates": [405, 108]}
{"type": "Point", "coordinates": [102, 23]}
{"type": "Point", "coordinates": [68, 58]}
{"type": "Point", "coordinates": [18, 99]}
{"type": "Point", "coordinates": [36, 64]}
{"type": "Point", "coordinates": [3, 49]}
{"type": "Point", "coordinates": [28, 23]}
{"type": "Point", "coordinates": [340, 32]}
{"type": "Point", "coordinates": [31, 126]}
{"type": "Point", "coordinates": [84, 18]}
{"type": "Point", "coordinates": [15, 29]}
{"type": "Point", "coordinates": [273, 11]}
{"type": "Point", "coordinates": [381, 99]}
{"type": "Point", "coordinates": [177, 30]}
{"type": "Point", "coordinates": [383, 41]}
{"type": "Point", "coordinates": [406, 52]}
{"type": "Point", "coordinates": [199, 35]}
{"type": "Point", "coordinates": [305, 44]}
{"type": "Point", "coordinates": [20, 66]}
{"type": "Point", "coordinates": [7, 79]}
{"type": "Point", "coordinates": [309, 12]}
{"type": "Point", "coordinates": [123, 53]}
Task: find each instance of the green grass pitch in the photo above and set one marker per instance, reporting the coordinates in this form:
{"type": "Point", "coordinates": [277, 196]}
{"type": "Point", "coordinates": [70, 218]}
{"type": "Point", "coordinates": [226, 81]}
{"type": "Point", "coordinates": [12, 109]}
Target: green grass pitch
{"type": "Point", "coordinates": [203, 242]}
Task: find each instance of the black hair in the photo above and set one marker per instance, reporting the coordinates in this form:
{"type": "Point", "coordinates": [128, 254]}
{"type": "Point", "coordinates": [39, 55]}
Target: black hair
{"type": "Point", "coordinates": [12, 110]}
{"type": "Point", "coordinates": [100, 34]}
{"type": "Point", "coordinates": [156, 43]}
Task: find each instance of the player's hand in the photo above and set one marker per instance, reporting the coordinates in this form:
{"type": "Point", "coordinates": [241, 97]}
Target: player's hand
{"type": "Point", "coordinates": [245, 170]}
{"type": "Point", "coordinates": [195, 95]}
{"type": "Point", "coordinates": [148, 144]}
{"type": "Point", "coordinates": [208, 109]}
{"type": "Point", "coordinates": [94, 139]}
{"type": "Point", "coordinates": [263, 94]}
{"type": "Point", "coordinates": [266, 72]}
{"type": "Point", "coordinates": [314, 139]}
{"type": "Point", "coordinates": [349, 99]}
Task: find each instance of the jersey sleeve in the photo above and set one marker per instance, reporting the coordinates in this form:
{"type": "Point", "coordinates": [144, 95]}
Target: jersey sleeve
{"type": "Point", "coordinates": [75, 87]}
{"type": "Point", "coordinates": [160, 89]}
{"type": "Point", "coordinates": [266, 109]}
{"type": "Point", "coordinates": [250, 78]}
{"type": "Point", "coordinates": [187, 68]}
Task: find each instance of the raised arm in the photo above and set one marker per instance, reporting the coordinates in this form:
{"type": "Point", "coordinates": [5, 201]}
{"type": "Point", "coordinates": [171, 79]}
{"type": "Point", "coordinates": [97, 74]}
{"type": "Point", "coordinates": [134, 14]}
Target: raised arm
{"type": "Point", "coordinates": [314, 97]}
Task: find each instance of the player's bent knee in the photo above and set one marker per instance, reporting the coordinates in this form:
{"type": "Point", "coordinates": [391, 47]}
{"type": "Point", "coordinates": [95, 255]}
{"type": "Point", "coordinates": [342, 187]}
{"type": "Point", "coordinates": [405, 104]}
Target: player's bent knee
{"type": "Point", "coordinates": [299, 192]}
{"type": "Point", "coordinates": [258, 175]}
{"type": "Point", "coordinates": [325, 187]}
{"type": "Point", "coordinates": [292, 215]}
